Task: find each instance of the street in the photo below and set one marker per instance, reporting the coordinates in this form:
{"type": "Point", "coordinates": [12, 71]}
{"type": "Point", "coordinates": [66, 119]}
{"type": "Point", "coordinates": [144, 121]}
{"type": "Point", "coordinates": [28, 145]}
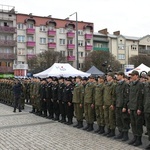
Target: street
{"type": "Point", "coordinates": [26, 131]}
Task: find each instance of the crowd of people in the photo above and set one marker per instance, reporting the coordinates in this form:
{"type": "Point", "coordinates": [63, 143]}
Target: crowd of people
{"type": "Point", "coordinates": [113, 101]}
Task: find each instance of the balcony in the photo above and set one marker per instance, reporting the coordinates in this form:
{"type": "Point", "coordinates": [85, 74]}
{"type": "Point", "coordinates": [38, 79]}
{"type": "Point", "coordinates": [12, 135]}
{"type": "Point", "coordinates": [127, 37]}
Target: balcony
{"type": "Point", "coordinates": [144, 51]}
{"type": "Point", "coordinates": [70, 58]}
{"type": "Point", "coordinates": [30, 56]}
{"type": "Point", "coordinates": [30, 43]}
{"type": "Point", "coordinates": [51, 32]}
{"type": "Point", "coordinates": [11, 43]}
{"type": "Point", "coordinates": [4, 69]}
{"type": "Point", "coordinates": [51, 45]}
{"type": "Point", "coordinates": [70, 34]}
{"type": "Point", "coordinates": [7, 56]}
{"type": "Point", "coordinates": [70, 46]}
{"type": "Point", "coordinates": [4, 29]}
{"type": "Point", "coordinates": [88, 47]}
{"type": "Point", "coordinates": [106, 49]}
{"type": "Point", "coordinates": [30, 31]}
{"type": "Point", "coordinates": [88, 36]}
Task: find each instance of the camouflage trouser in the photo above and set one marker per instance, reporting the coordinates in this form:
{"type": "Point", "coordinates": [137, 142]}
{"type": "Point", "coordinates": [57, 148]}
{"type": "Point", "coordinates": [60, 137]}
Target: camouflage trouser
{"type": "Point", "coordinates": [136, 122]}
{"type": "Point", "coordinates": [147, 119]}
{"type": "Point", "coordinates": [109, 116]}
{"type": "Point", "coordinates": [89, 113]}
{"type": "Point", "coordinates": [99, 115]}
{"type": "Point", "coordinates": [122, 120]}
{"type": "Point", "coordinates": [78, 112]}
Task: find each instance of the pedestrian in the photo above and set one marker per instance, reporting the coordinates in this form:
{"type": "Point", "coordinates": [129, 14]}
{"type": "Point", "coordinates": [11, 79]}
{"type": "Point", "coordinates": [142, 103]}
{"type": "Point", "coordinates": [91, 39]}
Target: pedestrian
{"type": "Point", "coordinates": [17, 89]}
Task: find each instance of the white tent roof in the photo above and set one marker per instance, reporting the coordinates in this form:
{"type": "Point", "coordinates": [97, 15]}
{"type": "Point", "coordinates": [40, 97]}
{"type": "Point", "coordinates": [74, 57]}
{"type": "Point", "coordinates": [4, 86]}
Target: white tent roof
{"type": "Point", "coordinates": [61, 69]}
{"type": "Point", "coordinates": [140, 69]}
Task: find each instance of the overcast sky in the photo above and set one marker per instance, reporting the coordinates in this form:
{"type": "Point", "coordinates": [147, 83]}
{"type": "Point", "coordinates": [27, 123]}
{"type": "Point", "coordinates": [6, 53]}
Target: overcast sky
{"type": "Point", "coordinates": [131, 17]}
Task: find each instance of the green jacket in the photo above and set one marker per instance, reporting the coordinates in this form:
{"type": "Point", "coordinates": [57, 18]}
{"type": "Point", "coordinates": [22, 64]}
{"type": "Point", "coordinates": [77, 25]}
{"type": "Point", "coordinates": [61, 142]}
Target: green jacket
{"type": "Point", "coordinates": [78, 94]}
{"type": "Point", "coordinates": [136, 96]}
{"type": "Point", "coordinates": [99, 89]}
{"type": "Point", "coordinates": [109, 94]}
{"type": "Point", "coordinates": [147, 97]}
{"type": "Point", "coordinates": [122, 94]}
{"type": "Point", "coordinates": [89, 93]}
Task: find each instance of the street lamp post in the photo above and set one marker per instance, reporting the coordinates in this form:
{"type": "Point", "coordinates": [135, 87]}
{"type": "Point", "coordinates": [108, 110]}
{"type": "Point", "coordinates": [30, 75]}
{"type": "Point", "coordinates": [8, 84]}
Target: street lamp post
{"type": "Point", "coordinates": [77, 60]}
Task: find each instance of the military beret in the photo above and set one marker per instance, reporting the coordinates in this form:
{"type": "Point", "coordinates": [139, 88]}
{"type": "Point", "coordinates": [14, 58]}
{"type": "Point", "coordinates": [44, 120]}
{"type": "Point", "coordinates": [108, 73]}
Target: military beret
{"type": "Point", "coordinates": [111, 74]}
{"type": "Point", "coordinates": [134, 72]}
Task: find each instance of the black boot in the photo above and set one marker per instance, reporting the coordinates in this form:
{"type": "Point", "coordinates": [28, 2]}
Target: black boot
{"type": "Point", "coordinates": [86, 127]}
{"type": "Point", "coordinates": [80, 124]}
{"type": "Point", "coordinates": [102, 131]}
{"type": "Point", "coordinates": [76, 125]}
{"type": "Point", "coordinates": [138, 141]}
{"type": "Point", "coordinates": [112, 133]}
{"type": "Point", "coordinates": [14, 110]}
{"type": "Point", "coordinates": [63, 120]}
{"type": "Point", "coordinates": [90, 127]}
{"type": "Point", "coordinates": [119, 136]}
{"type": "Point", "coordinates": [107, 132]}
{"type": "Point", "coordinates": [125, 136]}
{"type": "Point", "coordinates": [45, 114]}
{"type": "Point", "coordinates": [69, 121]}
{"type": "Point", "coordinates": [147, 147]}
{"type": "Point", "coordinates": [98, 129]}
{"type": "Point", "coordinates": [133, 140]}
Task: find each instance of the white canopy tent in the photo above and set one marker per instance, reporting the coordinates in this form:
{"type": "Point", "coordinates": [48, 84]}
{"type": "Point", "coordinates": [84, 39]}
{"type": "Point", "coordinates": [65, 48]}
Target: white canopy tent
{"type": "Point", "coordinates": [61, 69]}
{"type": "Point", "coordinates": [140, 68]}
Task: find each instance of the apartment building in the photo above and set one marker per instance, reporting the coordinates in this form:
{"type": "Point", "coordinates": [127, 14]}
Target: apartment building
{"type": "Point", "coordinates": [7, 40]}
{"type": "Point", "coordinates": [36, 34]}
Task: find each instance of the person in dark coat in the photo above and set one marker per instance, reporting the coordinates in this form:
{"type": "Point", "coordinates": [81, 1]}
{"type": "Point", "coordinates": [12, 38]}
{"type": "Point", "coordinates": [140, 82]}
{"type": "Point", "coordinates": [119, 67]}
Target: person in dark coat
{"type": "Point", "coordinates": [17, 90]}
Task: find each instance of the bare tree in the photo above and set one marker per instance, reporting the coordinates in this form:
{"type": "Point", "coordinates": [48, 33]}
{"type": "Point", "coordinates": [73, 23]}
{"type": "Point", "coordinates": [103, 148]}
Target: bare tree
{"type": "Point", "coordinates": [104, 61]}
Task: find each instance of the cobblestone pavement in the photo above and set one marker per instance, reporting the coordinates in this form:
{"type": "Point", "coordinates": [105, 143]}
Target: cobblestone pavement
{"type": "Point", "coordinates": [25, 131]}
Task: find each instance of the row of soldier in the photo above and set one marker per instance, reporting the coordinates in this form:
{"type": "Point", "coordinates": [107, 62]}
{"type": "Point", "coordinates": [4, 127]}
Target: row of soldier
{"type": "Point", "coordinates": [113, 102]}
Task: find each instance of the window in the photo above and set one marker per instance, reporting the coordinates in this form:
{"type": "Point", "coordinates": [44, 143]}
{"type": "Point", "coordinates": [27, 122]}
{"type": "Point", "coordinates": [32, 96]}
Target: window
{"type": "Point", "coordinates": [6, 24]}
{"type": "Point", "coordinates": [86, 54]}
{"type": "Point", "coordinates": [42, 40]}
{"type": "Point", "coordinates": [80, 54]}
{"type": "Point", "coordinates": [21, 51]}
{"type": "Point", "coordinates": [69, 41]}
{"type": "Point", "coordinates": [42, 50]}
{"type": "Point", "coordinates": [121, 47]}
{"type": "Point", "coordinates": [50, 40]}
{"type": "Point", "coordinates": [98, 45]}
{"type": "Point", "coordinates": [63, 53]}
{"type": "Point", "coordinates": [80, 65]}
{"type": "Point", "coordinates": [30, 25]}
{"type": "Point", "coordinates": [133, 47]}
{"type": "Point", "coordinates": [88, 42]}
{"type": "Point", "coordinates": [80, 43]}
{"type": "Point", "coordinates": [8, 50]}
{"type": "Point", "coordinates": [61, 30]}
{"type": "Point", "coordinates": [62, 41]}
{"type": "Point", "coordinates": [21, 38]}
{"type": "Point", "coordinates": [51, 28]}
{"type": "Point", "coordinates": [30, 38]}
{"type": "Point", "coordinates": [121, 56]}
{"type": "Point", "coordinates": [80, 32]}
{"type": "Point", "coordinates": [42, 28]}
{"type": "Point", "coordinates": [30, 51]}
{"type": "Point", "coordinates": [20, 26]}
{"type": "Point", "coordinates": [70, 53]}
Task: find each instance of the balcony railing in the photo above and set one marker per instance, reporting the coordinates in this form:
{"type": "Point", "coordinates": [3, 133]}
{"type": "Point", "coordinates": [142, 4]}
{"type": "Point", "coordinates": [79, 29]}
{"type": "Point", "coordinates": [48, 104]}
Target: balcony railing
{"type": "Point", "coordinates": [51, 32]}
{"type": "Point", "coordinates": [4, 69]}
{"type": "Point", "coordinates": [10, 43]}
{"type": "Point", "coordinates": [144, 51]}
{"type": "Point", "coordinates": [70, 58]}
{"type": "Point", "coordinates": [4, 56]}
{"type": "Point", "coordinates": [88, 36]}
{"type": "Point", "coordinates": [101, 49]}
{"type": "Point", "coordinates": [29, 56]}
{"type": "Point", "coordinates": [51, 45]}
{"type": "Point", "coordinates": [30, 30]}
{"type": "Point", "coordinates": [30, 43]}
{"type": "Point", "coordinates": [70, 34]}
{"type": "Point", "coordinates": [88, 47]}
{"type": "Point", "coordinates": [4, 29]}
{"type": "Point", "coordinates": [70, 46]}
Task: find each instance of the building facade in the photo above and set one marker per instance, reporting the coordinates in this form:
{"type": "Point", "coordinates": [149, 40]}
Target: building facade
{"type": "Point", "coordinates": [8, 43]}
{"type": "Point", "coordinates": [36, 34]}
